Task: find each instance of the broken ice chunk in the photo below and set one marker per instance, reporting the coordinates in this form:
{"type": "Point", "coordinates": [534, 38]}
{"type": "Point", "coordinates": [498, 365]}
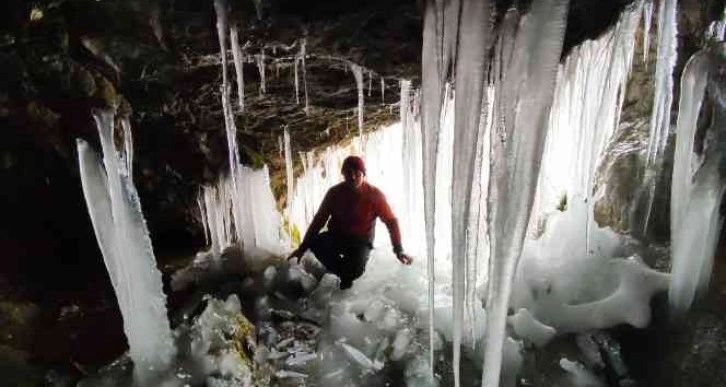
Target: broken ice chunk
{"type": "Point", "coordinates": [528, 327]}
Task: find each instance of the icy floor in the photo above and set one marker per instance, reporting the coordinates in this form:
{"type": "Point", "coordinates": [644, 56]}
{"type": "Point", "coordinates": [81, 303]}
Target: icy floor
{"type": "Point", "coordinates": [308, 332]}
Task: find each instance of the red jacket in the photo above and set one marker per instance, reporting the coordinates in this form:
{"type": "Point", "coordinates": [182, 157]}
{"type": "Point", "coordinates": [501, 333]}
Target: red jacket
{"type": "Point", "coordinates": [354, 212]}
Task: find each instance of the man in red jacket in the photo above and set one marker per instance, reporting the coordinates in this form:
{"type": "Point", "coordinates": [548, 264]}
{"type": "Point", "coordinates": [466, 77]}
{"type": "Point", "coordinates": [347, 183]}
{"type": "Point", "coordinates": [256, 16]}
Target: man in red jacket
{"type": "Point", "coordinates": [350, 210]}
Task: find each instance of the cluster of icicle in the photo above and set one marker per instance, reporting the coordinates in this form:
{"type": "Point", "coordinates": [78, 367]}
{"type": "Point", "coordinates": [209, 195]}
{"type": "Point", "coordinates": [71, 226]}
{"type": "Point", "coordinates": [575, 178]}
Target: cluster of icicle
{"type": "Point", "coordinates": [123, 237]}
{"type": "Point", "coordinates": [241, 211]}
{"type": "Point", "coordinates": [587, 96]}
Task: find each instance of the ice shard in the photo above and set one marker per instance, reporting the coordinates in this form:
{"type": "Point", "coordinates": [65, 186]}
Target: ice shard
{"type": "Point", "coordinates": [516, 150]}
{"type": "Point", "coordinates": [122, 235]}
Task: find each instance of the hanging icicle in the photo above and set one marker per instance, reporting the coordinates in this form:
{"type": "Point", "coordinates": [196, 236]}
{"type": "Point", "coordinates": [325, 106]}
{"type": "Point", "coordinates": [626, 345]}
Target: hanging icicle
{"type": "Point", "coordinates": [260, 58]}
{"type": "Point", "coordinates": [238, 66]}
{"type": "Point", "coordinates": [663, 98]}
{"type": "Point", "coordinates": [358, 74]}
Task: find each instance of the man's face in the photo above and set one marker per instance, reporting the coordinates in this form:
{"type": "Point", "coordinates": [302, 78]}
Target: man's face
{"type": "Point", "coordinates": [353, 177]}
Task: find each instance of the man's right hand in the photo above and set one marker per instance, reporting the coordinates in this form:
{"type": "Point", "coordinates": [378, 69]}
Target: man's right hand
{"type": "Point", "coordinates": [296, 254]}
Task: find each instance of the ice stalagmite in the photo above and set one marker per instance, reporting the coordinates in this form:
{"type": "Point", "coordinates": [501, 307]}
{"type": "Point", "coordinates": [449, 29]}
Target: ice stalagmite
{"type": "Point", "coordinates": [516, 150]}
{"type": "Point", "coordinates": [663, 97]}
{"type": "Point", "coordinates": [471, 69]}
{"type": "Point", "coordinates": [697, 186]}
{"type": "Point", "coordinates": [238, 66]}
{"type": "Point", "coordinates": [123, 237]}
{"type": "Point", "coordinates": [358, 74]}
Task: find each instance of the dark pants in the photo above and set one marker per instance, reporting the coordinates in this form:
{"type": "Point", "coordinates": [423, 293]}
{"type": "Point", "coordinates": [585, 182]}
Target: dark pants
{"type": "Point", "coordinates": [343, 255]}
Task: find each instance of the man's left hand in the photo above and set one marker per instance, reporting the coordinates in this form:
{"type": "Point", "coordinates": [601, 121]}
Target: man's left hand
{"type": "Point", "coordinates": [404, 258]}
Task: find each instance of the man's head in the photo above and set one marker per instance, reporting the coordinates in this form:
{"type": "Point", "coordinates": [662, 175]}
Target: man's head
{"type": "Point", "coordinates": [354, 171]}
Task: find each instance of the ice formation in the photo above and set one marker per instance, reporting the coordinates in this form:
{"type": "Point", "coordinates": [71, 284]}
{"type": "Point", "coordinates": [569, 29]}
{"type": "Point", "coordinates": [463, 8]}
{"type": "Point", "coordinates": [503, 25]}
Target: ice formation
{"type": "Point", "coordinates": [260, 60]}
{"type": "Point", "coordinates": [697, 186]}
{"type": "Point", "coordinates": [123, 238]}
{"type": "Point", "coordinates": [238, 66]}
{"type": "Point", "coordinates": [663, 96]}
{"type": "Point", "coordinates": [358, 74]}
{"type": "Point", "coordinates": [242, 212]}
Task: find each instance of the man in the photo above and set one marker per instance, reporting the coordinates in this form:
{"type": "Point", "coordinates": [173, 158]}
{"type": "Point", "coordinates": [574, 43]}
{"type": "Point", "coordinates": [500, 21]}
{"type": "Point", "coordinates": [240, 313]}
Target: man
{"type": "Point", "coordinates": [350, 210]}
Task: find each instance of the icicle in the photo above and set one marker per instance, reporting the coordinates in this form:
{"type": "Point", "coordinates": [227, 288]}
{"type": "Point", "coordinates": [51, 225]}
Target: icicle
{"type": "Point", "coordinates": [238, 66]}
{"type": "Point", "coordinates": [296, 81]}
{"type": "Point", "coordinates": [516, 151]}
{"type": "Point", "coordinates": [123, 237]}
{"type": "Point", "coordinates": [128, 147]}
{"type": "Point", "coordinates": [260, 58]}
{"type": "Point", "coordinates": [697, 187]}
{"type": "Point", "coordinates": [663, 96]}
{"type": "Point", "coordinates": [370, 82]}
{"type": "Point", "coordinates": [435, 59]}
{"type": "Point", "coordinates": [289, 179]}
{"type": "Point", "coordinates": [383, 91]}
{"type": "Point", "coordinates": [471, 65]}
{"type": "Point", "coordinates": [358, 74]}
{"type": "Point", "coordinates": [220, 7]}
{"type": "Point", "coordinates": [647, 22]}
{"type": "Point", "coordinates": [303, 55]}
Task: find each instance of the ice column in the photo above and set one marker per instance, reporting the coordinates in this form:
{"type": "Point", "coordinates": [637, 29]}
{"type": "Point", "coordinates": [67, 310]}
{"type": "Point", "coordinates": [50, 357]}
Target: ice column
{"type": "Point", "coordinates": [516, 150]}
{"type": "Point", "coordinates": [122, 235]}
{"type": "Point", "coordinates": [697, 186]}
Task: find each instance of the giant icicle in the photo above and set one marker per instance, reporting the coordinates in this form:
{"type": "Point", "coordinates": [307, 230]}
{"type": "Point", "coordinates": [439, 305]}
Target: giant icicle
{"type": "Point", "coordinates": [123, 237]}
{"type": "Point", "coordinates": [431, 91]}
{"type": "Point", "coordinates": [663, 98]}
{"type": "Point", "coordinates": [471, 68]}
{"type": "Point", "coordinates": [516, 150]}
{"type": "Point", "coordinates": [697, 186]}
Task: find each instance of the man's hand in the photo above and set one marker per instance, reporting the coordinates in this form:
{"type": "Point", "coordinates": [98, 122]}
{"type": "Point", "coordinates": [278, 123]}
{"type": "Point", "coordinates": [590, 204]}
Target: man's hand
{"type": "Point", "coordinates": [296, 254]}
{"type": "Point", "coordinates": [404, 258]}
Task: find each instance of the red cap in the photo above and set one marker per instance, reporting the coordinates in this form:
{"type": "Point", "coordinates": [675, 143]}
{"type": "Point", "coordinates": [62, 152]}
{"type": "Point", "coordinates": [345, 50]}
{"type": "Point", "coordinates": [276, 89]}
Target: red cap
{"type": "Point", "coordinates": [354, 163]}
